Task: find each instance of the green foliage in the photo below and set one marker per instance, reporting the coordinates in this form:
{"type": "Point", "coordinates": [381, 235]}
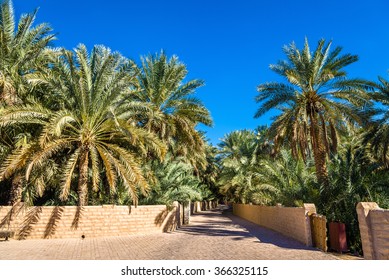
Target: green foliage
{"type": "Point", "coordinates": [209, 175]}
{"type": "Point", "coordinates": [76, 122]}
{"type": "Point", "coordinates": [355, 177]}
{"type": "Point", "coordinates": [174, 181]}
{"type": "Point", "coordinates": [354, 174]}
{"type": "Point", "coordinates": [377, 135]}
{"type": "Point", "coordinates": [166, 106]}
{"type": "Point", "coordinates": [239, 172]}
{"type": "Point", "coordinates": [293, 180]}
{"type": "Point", "coordinates": [85, 136]}
{"type": "Point", "coordinates": [22, 52]}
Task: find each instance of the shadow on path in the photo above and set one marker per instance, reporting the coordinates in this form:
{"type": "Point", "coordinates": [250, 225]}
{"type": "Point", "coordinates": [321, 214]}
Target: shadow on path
{"type": "Point", "coordinates": [221, 222]}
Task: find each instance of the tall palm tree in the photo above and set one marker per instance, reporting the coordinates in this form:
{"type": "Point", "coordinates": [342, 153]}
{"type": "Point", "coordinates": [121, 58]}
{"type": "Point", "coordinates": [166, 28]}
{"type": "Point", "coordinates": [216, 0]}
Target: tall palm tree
{"type": "Point", "coordinates": [85, 136]}
{"type": "Point", "coordinates": [22, 52]}
{"type": "Point", "coordinates": [166, 106]}
{"type": "Point", "coordinates": [316, 101]}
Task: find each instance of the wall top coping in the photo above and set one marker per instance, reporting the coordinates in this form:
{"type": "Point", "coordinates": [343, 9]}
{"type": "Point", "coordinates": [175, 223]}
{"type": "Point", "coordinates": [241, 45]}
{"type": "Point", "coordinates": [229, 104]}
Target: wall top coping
{"type": "Point", "coordinates": [279, 205]}
{"type": "Point", "coordinates": [93, 206]}
{"type": "Point", "coordinates": [368, 206]}
{"type": "Point", "coordinates": [276, 207]}
{"type": "Point", "coordinates": [380, 210]}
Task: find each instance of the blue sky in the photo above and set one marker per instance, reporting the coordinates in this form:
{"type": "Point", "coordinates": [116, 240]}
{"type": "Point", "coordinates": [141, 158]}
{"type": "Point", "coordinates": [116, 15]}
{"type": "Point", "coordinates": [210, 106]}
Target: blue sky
{"type": "Point", "coordinates": [229, 44]}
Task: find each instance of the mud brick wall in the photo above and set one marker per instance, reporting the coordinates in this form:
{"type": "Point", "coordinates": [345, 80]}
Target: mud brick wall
{"type": "Point", "coordinates": [198, 206]}
{"type": "Point", "coordinates": [90, 221]}
{"type": "Point", "coordinates": [290, 221]}
{"type": "Point", "coordinates": [374, 228]}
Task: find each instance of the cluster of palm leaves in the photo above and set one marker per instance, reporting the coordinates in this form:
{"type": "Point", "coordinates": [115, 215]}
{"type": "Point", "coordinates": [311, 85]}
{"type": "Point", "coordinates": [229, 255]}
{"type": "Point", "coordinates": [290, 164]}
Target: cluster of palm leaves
{"type": "Point", "coordinates": [174, 181]}
{"type": "Point", "coordinates": [80, 126]}
{"type": "Point", "coordinates": [252, 173]}
{"type": "Point", "coordinates": [239, 177]}
{"type": "Point", "coordinates": [328, 144]}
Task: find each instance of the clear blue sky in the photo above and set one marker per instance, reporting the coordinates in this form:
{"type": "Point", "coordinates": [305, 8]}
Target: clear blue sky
{"type": "Point", "coordinates": [229, 44]}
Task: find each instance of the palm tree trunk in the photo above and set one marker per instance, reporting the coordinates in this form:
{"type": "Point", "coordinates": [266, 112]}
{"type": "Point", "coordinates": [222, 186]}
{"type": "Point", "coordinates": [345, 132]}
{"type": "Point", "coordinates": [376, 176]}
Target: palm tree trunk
{"type": "Point", "coordinates": [319, 152]}
{"type": "Point", "coordinates": [320, 156]}
{"type": "Point", "coordinates": [83, 179]}
{"type": "Point", "coordinates": [16, 189]}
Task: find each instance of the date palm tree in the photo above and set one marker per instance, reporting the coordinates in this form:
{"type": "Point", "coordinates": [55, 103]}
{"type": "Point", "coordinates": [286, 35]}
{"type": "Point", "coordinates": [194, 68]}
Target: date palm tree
{"type": "Point", "coordinates": [166, 106]}
{"type": "Point", "coordinates": [209, 175]}
{"type": "Point", "coordinates": [316, 102]}
{"type": "Point", "coordinates": [173, 181]}
{"type": "Point", "coordinates": [84, 135]}
{"type": "Point", "coordinates": [238, 161]}
{"type": "Point", "coordinates": [355, 176]}
{"type": "Point", "coordinates": [22, 52]}
{"type": "Point", "coordinates": [290, 179]}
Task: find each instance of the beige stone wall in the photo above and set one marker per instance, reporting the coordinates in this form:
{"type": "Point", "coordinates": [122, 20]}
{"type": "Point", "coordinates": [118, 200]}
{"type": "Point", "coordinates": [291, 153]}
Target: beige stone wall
{"type": "Point", "coordinates": [196, 207]}
{"type": "Point", "coordinates": [374, 228]}
{"type": "Point", "coordinates": [90, 221]}
{"type": "Point", "coordinates": [290, 221]}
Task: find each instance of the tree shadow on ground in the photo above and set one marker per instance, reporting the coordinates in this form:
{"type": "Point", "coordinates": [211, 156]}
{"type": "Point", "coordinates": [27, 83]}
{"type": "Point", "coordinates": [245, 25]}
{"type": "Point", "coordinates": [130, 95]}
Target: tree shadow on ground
{"type": "Point", "coordinates": [224, 223]}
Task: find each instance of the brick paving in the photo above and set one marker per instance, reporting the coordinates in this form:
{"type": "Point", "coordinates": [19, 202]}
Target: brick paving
{"type": "Point", "coordinates": [212, 235]}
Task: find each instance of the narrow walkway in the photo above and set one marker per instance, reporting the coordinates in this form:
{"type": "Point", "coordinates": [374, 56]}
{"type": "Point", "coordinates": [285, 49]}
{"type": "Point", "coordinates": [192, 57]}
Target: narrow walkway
{"type": "Point", "coordinates": [212, 235]}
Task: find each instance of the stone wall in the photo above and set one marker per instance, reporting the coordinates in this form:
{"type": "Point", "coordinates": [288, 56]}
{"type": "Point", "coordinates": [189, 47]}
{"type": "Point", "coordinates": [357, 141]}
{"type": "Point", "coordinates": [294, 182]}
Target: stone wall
{"type": "Point", "coordinates": [374, 228]}
{"type": "Point", "coordinates": [290, 221]}
{"type": "Point", "coordinates": [88, 221]}
{"type": "Point", "coordinates": [198, 206]}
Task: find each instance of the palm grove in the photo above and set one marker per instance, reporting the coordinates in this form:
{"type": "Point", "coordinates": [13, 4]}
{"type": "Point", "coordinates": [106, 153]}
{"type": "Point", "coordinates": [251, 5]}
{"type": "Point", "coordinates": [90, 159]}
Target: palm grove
{"type": "Point", "coordinates": [91, 127]}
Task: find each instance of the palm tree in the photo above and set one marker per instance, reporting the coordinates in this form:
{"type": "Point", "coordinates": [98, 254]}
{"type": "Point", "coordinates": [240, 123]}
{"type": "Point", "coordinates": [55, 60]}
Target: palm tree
{"type": "Point", "coordinates": [292, 181]}
{"type": "Point", "coordinates": [378, 134]}
{"type": "Point", "coordinates": [238, 161]}
{"type": "Point", "coordinates": [85, 136]}
{"type": "Point", "coordinates": [22, 52]}
{"type": "Point", "coordinates": [355, 176]}
{"type": "Point", "coordinates": [165, 105]}
{"type": "Point", "coordinates": [208, 176]}
{"type": "Point", "coordinates": [174, 181]}
{"type": "Point", "coordinates": [316, 102]}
